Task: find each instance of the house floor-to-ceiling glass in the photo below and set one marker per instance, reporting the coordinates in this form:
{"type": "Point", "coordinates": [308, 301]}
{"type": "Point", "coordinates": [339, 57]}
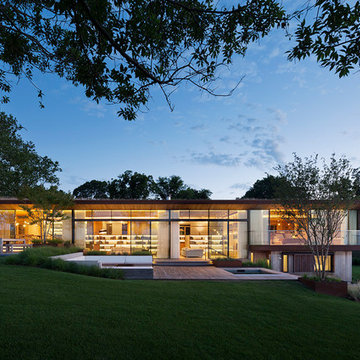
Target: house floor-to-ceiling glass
{"type": "Point", "coordinates": [186, 234]}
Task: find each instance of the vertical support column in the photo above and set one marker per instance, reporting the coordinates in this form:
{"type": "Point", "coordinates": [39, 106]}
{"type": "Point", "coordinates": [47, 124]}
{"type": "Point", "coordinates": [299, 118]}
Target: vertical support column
{"type": "Point", "coordinates": [343, 265]}
{"type": "Point", "coordinates": [163, 238]}
{"type": "Point", "coordinates": [228, 237]}
{"type": "Point", "coordinates": [175, 240]}
{"type": "Point", "coordinates": [73, 227]}
{"type": "Point", "coordinates": [174, 237]}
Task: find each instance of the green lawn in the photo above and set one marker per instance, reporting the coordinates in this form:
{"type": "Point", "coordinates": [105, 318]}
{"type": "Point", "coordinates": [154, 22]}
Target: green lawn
{"type": "Point", "coordinates": [53, 315]}
{"type": "Point", "coordinates": [356, 273]}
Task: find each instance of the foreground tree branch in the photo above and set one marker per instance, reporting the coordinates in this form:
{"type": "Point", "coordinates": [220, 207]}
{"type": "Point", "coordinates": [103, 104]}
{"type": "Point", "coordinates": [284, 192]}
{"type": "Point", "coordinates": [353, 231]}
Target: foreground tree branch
{"type": "Point", "coordinates": [118, 51]}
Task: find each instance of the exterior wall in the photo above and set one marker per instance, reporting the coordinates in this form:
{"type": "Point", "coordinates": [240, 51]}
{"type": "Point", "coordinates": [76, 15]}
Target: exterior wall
{"type": "Point", "coordinates": [231, 230]}
{"type": "Point", "coordinates": [163, 240]}
{"type": "Point", "coordinates": [175, 240]}
{"type": "Point", "coordinates": [260, 255]}
{"type": "Point", "coordinates": [276, 260]}
{"type": "Point", "coordinates": [343, 265]}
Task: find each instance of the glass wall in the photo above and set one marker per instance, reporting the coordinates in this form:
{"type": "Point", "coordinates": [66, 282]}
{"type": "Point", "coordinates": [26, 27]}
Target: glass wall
{"type": "Point", "coordinates": [16, 224]}
{"type": "Point", "coordinates": [259, 227]}
{"type": "Point", "coordinates": [238, 244]}
{"type": "Point", "coordinates": [7, 224]}
{"type": "Point", "coordinates": [218, 239]}
{"type": "Point", "coordinates": [164, 233]}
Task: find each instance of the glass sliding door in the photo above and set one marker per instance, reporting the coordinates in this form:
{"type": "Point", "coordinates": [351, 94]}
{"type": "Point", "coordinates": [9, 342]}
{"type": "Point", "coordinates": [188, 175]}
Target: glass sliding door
{"type": "Point", "coordinates": [238, 239]}
{"type": "Point", "coordinates": [193, 239]}
{"type": "Point", "coordinates": [218, 239]}
{"type": "Point", "coordinates": [140, 236]}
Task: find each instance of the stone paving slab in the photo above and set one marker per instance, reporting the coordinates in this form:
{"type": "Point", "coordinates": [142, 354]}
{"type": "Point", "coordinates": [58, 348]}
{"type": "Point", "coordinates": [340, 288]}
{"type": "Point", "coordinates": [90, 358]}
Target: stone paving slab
{"type": "Point", "coordinates": [212, 273]}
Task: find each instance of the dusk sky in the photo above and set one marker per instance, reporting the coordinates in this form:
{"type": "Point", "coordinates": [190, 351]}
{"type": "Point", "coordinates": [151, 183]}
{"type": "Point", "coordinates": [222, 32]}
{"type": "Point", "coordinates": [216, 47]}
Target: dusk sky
{"type": "Point", "coordinates": [223, 144]}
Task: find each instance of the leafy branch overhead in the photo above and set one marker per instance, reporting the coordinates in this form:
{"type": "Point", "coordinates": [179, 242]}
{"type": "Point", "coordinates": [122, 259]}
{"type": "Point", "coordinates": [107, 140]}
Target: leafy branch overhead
{"type": "Point", "coordinates": [120, 50]}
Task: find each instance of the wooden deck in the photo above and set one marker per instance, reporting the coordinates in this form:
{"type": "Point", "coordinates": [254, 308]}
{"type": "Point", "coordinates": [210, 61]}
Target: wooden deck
{"type": "Point", "coordinates": [211, 273]}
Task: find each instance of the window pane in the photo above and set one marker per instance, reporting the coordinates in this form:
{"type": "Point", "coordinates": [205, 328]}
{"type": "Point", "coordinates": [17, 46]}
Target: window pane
{"type": "Point", "coordinates": [143, 214]}
{"type": "Point", "coordinates": [102, 214]}
{"type": "Point", "coordinates": [120, 214]}
{"type": "Point", "coordinates": [199, 214]}
{"type": "Point", "coordinates": [218, 239]}
{"type": "Point", "coordinates": [159, 214]}
{"type": "Point", "coordinates": [238, 214]}
{"type": "Point", "coordinates": [83, 214]}
{"type": "Point", "coordinates": [180, 214]}
{"type": "Point", "coordinates": [109, 236]}
{"type": "Point", "coordinates": [219, 214]}
{"type": "Point", "coordinates": [7, 224]}
{"type": "Point", "coordinates": [24, 229]}
{"type": "Point", "coordinates": [193, 238]}
{"type": "Point", "coordinates": [259, 220]}
{"type": "Point", "coordinates": [238, 240]}
{"type": "Point", "coordinates": [140, 236]}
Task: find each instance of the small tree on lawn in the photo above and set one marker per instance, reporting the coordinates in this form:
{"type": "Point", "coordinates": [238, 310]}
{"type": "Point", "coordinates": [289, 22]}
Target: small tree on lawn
{"type": "Point", "coordinates": [47, 207]}
{"type": "Point", "coordinates": [315, 199]}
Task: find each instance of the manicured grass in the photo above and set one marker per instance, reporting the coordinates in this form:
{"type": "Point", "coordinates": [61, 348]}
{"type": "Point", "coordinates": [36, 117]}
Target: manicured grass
{"type": "Point", "coordinates": [53, 315]}
{"type": "Point", "coordinates": [356, 273]}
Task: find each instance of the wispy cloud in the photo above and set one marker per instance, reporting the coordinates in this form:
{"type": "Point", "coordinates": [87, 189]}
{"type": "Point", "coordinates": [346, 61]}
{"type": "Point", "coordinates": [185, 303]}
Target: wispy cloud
{"type": "Point", "coordinates": [91, 108]}
{"type": "Point", "coordinates": [240, 186]}
{"type": "Point", "coordinates": [198, 127]}
{"type": "Point", "coordinates": [217, 159]}
{"type": "Point", "coordinates": [260, 142]}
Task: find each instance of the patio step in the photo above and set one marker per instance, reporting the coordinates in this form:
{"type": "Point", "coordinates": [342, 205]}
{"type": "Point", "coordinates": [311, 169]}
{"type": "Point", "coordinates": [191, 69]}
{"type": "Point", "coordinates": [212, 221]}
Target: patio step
{"type": "Point", "coordinates": [180, 262]}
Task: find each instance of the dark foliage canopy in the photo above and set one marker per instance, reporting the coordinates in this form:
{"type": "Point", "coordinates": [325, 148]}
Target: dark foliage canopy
{"type": "Point", "coordinates": [134, 185]}
{"type": "Point", "coordinates": [20, 165]}
{"type": "Point", "coordinates": [266, 188]}
{"type": "Point", "coordinates": [93, 189]}
{"type": "Point", "coordinates": [119, 50]}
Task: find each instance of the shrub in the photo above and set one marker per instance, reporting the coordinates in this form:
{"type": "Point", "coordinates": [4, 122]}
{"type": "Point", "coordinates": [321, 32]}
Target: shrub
{"type": "Point", "coordinates": [260, 263]}
{"type": "Point", "coordinates": [354, 291]}
{"type": "Point", "coordinates": [36, 241]}
{"type": "Point", "coordinates": [356, 261]}
{"type": "Point", "coordinates": [141, 252]}
{"type": "Point", "coordinates": [224, 259]}
{"type": "Point", "coordinates": [54, 242]}
{"type": "Point", "coordinates": [316, 278]}
{"type": "Point", "coordinates": [40, 257]}
{"type": "Point", "coordinates": [95, 252]}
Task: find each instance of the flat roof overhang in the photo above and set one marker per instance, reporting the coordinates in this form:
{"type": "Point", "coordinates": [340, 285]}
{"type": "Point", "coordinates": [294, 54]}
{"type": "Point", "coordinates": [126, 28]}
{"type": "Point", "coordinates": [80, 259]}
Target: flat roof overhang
{"type": "Point", "coordinates": [125, 204]}
{"type": "Point", "coordinates": [114, 204]}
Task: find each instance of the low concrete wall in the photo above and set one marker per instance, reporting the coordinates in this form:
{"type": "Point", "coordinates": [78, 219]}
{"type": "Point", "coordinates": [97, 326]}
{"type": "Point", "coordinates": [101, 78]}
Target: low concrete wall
{"type": "Point", "coordinates": [343, 265]}
{"type": "Point", "coordinates": [68, 256]}
{"type": "Point", "coordinates": [139, 267]}
{"type": "Point", "coordinates": [276, 260]}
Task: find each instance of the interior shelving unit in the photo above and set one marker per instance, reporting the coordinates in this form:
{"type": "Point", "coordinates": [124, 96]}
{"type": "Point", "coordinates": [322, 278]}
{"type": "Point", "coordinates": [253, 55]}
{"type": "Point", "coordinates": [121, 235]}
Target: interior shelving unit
{"type": "Point", "coordinates": [121, 243]}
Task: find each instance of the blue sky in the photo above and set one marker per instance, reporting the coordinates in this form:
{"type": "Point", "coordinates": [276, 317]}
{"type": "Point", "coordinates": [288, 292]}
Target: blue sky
{"type": "Point", "coordinates": [223, 144]}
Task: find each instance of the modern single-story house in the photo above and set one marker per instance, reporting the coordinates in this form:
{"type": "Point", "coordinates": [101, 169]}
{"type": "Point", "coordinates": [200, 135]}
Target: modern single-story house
{"type": "Point", "coordinates": [182, 229]}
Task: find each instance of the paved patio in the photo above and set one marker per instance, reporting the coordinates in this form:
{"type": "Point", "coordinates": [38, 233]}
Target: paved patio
{"type": "Point", "coordinates": [212, 273]}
